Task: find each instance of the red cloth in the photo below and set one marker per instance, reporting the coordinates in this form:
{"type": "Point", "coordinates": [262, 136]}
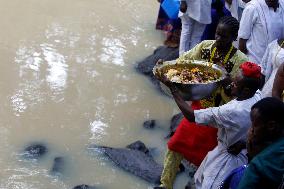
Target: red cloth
{"type": "Point", "coordinates": [192, 141]}
{"type": "Point", "coordinates": [251, 70]}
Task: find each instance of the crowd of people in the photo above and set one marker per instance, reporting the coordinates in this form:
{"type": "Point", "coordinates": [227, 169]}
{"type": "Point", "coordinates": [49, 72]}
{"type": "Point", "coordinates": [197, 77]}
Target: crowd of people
{"type": "Point", "coordinates": [235, 137]}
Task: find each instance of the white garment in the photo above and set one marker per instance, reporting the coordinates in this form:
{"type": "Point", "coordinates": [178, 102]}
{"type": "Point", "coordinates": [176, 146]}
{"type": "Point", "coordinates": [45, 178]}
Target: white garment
{"type": "Point", "coordinates": [233, 122]}
{"type": "Point", "coordinates": [236, 8]}
{"type": "Point", "coordinates": [272, 59]}
{"type": "Point", "coordinates": [260, 25]}
{"type": "Point", "coordinates": [191, 33]}
{"type": "Point", "coordinates": [198, 10]}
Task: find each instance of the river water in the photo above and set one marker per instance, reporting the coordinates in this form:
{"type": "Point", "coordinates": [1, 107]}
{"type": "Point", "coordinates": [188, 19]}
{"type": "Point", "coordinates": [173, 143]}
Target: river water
{"type": "Point", "coordinates": [68, 80]}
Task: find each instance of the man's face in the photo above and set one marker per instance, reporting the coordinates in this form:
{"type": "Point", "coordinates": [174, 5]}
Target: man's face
{"type": "Point", "coordinates": [256, 135]}
{"type": "Point", "coordinates": [237, 85]}
{"type": "Point", "coordinates": [223, 36]}
{"type": "Point", "coordinates": [271, 3]}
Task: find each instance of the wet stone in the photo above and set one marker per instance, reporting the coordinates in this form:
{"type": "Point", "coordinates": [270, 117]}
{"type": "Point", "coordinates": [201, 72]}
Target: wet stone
{"type": "Point", "coordinates": [176, 119]}
{"type": "Point", "coordinates": [138, 145]}
{"type": "Point", "coordinates": [134, 161]}
{"type": "Point", "coordinates": [150, 124]}
{"type": "Point", "coordinates": [35, 151]}
{"type": "Point", "coordinates": [146, 65]}
{"type": "Point", "coordinates": [58, 166]}
{"type": "Point", "coordinates": [84, 186]}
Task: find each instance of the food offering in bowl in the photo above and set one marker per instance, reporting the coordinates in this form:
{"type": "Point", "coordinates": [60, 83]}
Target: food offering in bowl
{"type": "Point", "coordinates": [196, 80]}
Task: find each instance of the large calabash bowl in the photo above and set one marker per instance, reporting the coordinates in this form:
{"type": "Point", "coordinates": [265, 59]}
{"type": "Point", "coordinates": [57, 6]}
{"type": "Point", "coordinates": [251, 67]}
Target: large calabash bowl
{"type": "Point", "coordinates": [193, 91]}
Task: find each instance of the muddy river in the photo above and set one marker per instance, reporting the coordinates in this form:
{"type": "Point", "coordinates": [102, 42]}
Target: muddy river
{"type": "Point", "coordinates": [68, 81]}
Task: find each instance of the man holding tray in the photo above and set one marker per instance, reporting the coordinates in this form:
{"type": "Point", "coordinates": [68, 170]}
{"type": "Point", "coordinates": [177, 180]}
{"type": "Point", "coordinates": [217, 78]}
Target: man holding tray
{"type": "Point", "coordinates": [232, 121]}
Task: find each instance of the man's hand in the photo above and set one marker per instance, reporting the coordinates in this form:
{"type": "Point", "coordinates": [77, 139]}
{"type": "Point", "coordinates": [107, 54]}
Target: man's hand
{"type": "Point", "coordinates": [165, 81]}
{"type": "Point", "coordinates": [236, 148]}
{"type": "Point", "coordinates": [226, 83]}
{"type": "Point", "coordinates": [183, 6]}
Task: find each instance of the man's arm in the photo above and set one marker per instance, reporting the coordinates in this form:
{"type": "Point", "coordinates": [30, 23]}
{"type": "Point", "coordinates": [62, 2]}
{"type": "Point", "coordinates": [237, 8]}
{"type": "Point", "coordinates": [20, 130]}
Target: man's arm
{"type": "Point", "coordinates": [183, 106]}
{"type": "Point", "coordinates": [243, 45]}
{"type": "Point", "coordinates": [278, 85]}
{"type": "Point", "coordinates": [229, 1]}
{"type": "Point", "coordinates": [247, 22]}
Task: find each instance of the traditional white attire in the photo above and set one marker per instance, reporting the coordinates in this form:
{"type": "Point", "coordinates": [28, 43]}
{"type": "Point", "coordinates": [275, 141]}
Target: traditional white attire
{"type": "Point", "coordinates": [236, 8]}
{"type": "Point", "coordinates": [233, 122]}
{"type": "Point", "coordinates": [272, 59]}
{"type": "Point", "coordinates": [260, 25]}
{"type": "Point", "coordinates": [194, 21]}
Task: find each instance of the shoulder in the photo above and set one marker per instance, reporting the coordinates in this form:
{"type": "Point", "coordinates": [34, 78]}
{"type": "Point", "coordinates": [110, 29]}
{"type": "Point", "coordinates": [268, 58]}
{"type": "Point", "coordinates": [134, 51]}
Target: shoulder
{"type": "Point", "coordinates": [251, 8]}
{"type": "Point", "coordinates": [207, 43]}
{"type": "Point", "coordinates": [239, 57]}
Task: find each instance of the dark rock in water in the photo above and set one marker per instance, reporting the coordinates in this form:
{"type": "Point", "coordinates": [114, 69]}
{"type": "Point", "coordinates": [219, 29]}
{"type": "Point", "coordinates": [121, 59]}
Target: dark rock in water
{"type": "Point", "coordinates": [166, 53]}
{"type": "Point", "coordinates": [135, 162]}
{"type": "Point", "coordinates": [176, 119]}
{"type": "Point", "coordinates": [84, 186]}
{"type": "Point", "coordinates": [150, 124]}
{"type": "Point", "coordinates": [154, 152]}
{"type": "Point", "coordinates": [146, 65]}
{"type": "Point", "coordinates": [58, 166]}
{"type": "Point", "coordinates": [138, 145]}
{"type": "Point", "coordinates": [35, 151]}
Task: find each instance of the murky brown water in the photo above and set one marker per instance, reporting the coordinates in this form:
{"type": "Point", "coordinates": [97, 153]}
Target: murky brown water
{"type": "Point", "coordinates": [67, 79]}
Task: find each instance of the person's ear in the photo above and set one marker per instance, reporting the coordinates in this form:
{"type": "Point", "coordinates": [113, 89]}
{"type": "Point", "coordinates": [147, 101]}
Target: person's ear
{"type": "Point", "coordinates": [273, 127]}
{"type": "Point", "coordinates": [246, 91]}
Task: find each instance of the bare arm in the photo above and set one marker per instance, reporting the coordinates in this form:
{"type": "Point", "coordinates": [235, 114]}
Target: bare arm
{"type": "Point", "coordinates": [278, 85]}
{"type": "Point", "coordinates": [243, 45]}
{"type": "Point", "coordinates": [229, 1]}
{"type": "Point", "coordinates": [183, 106]}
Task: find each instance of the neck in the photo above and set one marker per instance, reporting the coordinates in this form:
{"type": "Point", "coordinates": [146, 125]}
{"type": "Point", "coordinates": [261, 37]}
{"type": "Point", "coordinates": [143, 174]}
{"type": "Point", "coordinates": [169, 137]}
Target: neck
{"type": "Point", "coordinates": [242, 97]}
{"type": "Point", "coordinates": [224, 50]}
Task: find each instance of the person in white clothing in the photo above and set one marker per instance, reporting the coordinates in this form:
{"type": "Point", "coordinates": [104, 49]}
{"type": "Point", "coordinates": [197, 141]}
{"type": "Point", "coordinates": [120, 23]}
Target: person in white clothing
{"type": "Point", "coordinates": [232, 121]}
{"type": "Point", "coordinates": [261, 23]}
{"type": "Point", "coordinates": [271, 61]}
{"type": "Point", "coordinates": [236, 7]}
{"type": "Point", "coordinates": [194, 15]}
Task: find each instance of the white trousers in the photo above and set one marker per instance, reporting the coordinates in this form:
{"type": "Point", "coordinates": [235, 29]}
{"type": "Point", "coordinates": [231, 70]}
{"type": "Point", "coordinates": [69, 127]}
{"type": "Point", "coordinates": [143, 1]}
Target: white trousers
{"type": "Point", "coordinates": [191, 33]}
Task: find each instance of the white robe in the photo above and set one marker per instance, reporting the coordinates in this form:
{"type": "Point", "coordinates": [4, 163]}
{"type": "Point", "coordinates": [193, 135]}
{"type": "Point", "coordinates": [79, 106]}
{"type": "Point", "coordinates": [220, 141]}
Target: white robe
{"type": "Point", "coordinates": [236, 8]}
{"type": "Point", "coordinates": [260, 25]}
{"type": "Point", "coordinates": [272, 59]}
{"type": "Point", "coordinates": [233, 122]}
{"type": "Point", "coordinates": [198, 10]}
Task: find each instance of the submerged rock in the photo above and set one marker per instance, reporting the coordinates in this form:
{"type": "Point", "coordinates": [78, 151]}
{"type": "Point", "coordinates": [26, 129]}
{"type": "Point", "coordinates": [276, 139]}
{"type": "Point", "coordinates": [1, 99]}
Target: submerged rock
{"type": "Point", "coordinates": [146, 65]}
{"type": "Point", "coordinates": [138, 145]}
{"type": "Point", "coordinates": [134, 161]}
{"type": "Point", "coordinates": [176, 119]}
{"type": "Point", "coordinates": [58, 166]}
{"type": "Point", "coordinates": [84, 186]}
{"type": "Point", "coordinates": [35, 151]}
{"type": "Point", "coordinates": [150, 124]}
{"type": "Point", "coordinates": [166, 53]}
